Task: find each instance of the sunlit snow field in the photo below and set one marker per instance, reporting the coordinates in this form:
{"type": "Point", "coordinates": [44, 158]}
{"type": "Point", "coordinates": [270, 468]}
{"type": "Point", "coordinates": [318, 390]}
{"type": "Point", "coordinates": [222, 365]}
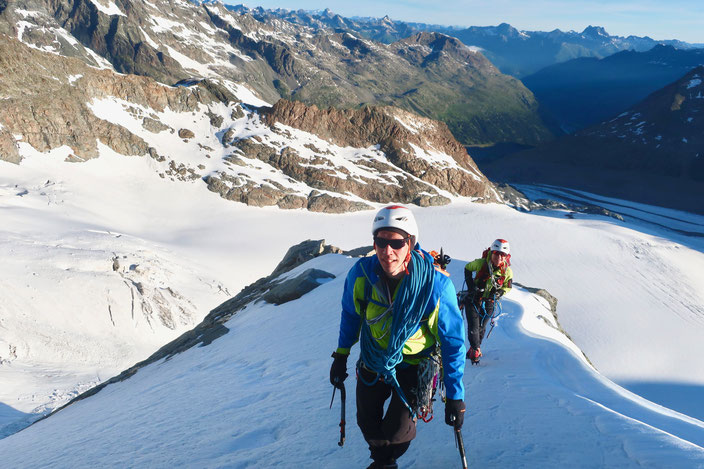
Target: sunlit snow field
{"type": "Point", "coordinates": [630, 295]}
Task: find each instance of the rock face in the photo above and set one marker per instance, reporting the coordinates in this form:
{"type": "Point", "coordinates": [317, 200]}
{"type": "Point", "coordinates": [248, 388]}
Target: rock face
{"type": "Point", "coordinates": [398, 134]}
{"type": "Point", "coordinates": [516, 199]}
{"type": "Point", "coordinates": [346, 158]}
{"type": "Point", "coordinates": [45, 103]}
{"type": "Point", "coordinates": [295, 288]}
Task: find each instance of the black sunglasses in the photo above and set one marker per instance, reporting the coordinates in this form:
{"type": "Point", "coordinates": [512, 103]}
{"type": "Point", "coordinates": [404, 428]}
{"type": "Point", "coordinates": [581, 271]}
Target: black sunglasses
{"type": "Point", "coordinates": [396, 244]}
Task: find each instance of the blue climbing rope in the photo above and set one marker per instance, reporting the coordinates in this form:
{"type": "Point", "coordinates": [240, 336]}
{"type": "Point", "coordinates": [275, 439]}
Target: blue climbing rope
{"type": "Point", "coordinates": [409, 306]}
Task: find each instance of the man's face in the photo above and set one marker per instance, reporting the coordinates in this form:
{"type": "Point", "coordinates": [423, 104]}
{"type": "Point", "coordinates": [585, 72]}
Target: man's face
{"type": "Point", "coordinates": [392, 260]}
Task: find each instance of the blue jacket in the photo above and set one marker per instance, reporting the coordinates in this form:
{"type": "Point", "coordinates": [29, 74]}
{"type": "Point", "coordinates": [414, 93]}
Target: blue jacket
{"type": "Point", "coordinates": [442, 322]}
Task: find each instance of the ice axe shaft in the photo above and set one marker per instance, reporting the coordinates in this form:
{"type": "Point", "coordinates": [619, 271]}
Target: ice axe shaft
{"type": "Point", "coordinates": [343, 395]}
{"type": "Point", "coordinates": [459, 443]}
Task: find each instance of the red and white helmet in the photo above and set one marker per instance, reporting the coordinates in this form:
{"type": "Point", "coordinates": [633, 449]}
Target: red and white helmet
{"type": "Point", "coordinates": [501, 245]}
{"type": "Point", "coordinates": [396, 217]}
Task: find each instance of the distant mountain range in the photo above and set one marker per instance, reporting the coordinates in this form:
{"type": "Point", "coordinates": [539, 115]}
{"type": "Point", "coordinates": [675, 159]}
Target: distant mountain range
{"type": "Point", "coordinates": [430, 74]}
{"type": "Point", "coordinates": [652, 152]}
{"type": "Point", "coordinates": [517, 53]}
{"type": "Point", "coordinates": [585, 91]}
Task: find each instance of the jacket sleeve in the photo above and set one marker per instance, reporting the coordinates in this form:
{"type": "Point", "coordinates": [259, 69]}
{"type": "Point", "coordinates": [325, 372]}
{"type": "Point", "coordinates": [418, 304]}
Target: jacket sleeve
{"type": "Point", "coordinates": [451, 332]}
{"type": "Point", "coordinates": [350, 321]}
{"type": "Point", "coordinates": [473, 266]}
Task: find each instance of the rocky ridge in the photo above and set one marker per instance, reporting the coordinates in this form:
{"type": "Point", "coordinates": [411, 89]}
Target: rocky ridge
{"type": "Point", "coordinates": [46, 101]}
{"type": "Point", "coordinates": [369, 155]}
{"type": "Point", "coordinates": [400, 135]}
{"type": "Point", "coordinates": [199, 131]}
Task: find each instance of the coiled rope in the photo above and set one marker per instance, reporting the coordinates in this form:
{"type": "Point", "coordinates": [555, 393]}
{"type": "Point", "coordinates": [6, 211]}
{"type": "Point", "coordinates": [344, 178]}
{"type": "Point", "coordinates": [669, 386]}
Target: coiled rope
{"type": "Point", "coordinates": [410, 304]}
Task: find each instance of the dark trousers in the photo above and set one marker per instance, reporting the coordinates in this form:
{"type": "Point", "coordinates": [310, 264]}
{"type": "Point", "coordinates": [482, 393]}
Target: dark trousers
{"type": "Point", "coordinates": [390, 435]}
{"type": "Point", "coordinates": [477, 319]}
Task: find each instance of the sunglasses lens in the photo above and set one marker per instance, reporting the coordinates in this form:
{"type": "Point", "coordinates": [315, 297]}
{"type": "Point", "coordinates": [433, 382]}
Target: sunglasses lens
{"type": "Point", "coordinates": [394, 243]}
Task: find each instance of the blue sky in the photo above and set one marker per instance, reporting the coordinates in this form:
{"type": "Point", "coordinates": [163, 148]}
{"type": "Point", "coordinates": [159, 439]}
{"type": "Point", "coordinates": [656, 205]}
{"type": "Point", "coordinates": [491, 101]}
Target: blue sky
{"type": "Point", "coordinates": [673, 19]}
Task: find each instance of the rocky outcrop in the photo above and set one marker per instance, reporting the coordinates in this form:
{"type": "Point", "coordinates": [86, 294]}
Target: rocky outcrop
{"type": "Point", "coordinates": [398, 134]}
{"type": "Point", "coordinates": [46, 98]}
{"type": "Point", "coordinates": [295, 288]}
{"type": "Point", "coordinates": [518, 200]}
{"type": "Point", "coordinates": [376, 155]}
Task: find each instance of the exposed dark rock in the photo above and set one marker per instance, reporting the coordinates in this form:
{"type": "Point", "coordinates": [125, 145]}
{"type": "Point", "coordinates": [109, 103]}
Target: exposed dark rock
{"type": "Point", "coordinates": [262, 196]}
{"type": "Point", "coordinates": [292, 202]}
{"type": "Point", "coordinates": [431, 200]}
{"type": "Point", "coordinates": [154, 125]}
{"type": "Point", "coordinates": [552, 302]}
{"type": "Point", "coordinates": [302, 253]}
{"type": "Point", "coordinates": [364, 251]}
{"type": "Point", "coordinates": [329, 204]}
{"type": "Point", "coordinates": [220, 93]}
{"type": "Point", "coordinates": [186, 133]}
{"type": "Point", "coordinates": [383, 126]}
{"type": "Point", "coordinates": [519, 201]}
{"type": "Point", "coordinates": [295, 288]}
{"type": "Point", "coordinates": [237, 113]}
{"type": "Point", "coordinates": [49, 111]}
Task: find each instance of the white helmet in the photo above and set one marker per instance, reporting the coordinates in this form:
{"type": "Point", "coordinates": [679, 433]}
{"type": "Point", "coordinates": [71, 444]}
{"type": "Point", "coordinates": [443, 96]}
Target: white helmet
{"type": "Point", "coordinates": [396, 217]}
{"type": "Point", "coordinates": [501, 245]}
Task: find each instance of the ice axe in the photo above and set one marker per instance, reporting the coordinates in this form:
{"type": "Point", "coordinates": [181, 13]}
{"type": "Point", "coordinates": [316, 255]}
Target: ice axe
{"type": "Point", "coordinates": [342, 412]}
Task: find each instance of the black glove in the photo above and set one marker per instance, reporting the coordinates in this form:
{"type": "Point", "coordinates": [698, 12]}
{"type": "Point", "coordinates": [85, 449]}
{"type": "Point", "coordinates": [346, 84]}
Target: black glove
{"type": "Point", "coordinates": [454, 413]}
{"type": "Point", "coordinates": [338, 370]}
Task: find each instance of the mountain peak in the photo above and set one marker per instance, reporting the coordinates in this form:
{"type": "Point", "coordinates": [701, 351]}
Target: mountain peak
{"type": "Point", "coordinates": [595, 31]}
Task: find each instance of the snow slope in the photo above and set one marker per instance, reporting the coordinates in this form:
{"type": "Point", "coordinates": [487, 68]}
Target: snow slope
{"type": "Point", "coordinates": [630, 295]}
{"type": "Point", "coordinates": [259, 396]}
{"type": "Point", "coordinates": [107, 260]}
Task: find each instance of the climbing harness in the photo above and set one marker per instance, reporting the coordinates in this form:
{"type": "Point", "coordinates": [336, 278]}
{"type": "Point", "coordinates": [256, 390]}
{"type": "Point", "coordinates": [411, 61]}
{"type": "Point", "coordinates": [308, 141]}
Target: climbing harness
{"type": "Point", "coordinates": [429, 374]}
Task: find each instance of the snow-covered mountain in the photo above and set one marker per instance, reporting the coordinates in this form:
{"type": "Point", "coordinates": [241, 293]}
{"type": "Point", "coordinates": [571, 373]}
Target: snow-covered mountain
{"type": "Point", "coordinates": [257, 392]}
{"type": "Point", "coordinates": [431, 74]}
{"type": "Point", "coordinates": [516, 52]}
{"type": "Point", "coordinates": [201, 134]}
